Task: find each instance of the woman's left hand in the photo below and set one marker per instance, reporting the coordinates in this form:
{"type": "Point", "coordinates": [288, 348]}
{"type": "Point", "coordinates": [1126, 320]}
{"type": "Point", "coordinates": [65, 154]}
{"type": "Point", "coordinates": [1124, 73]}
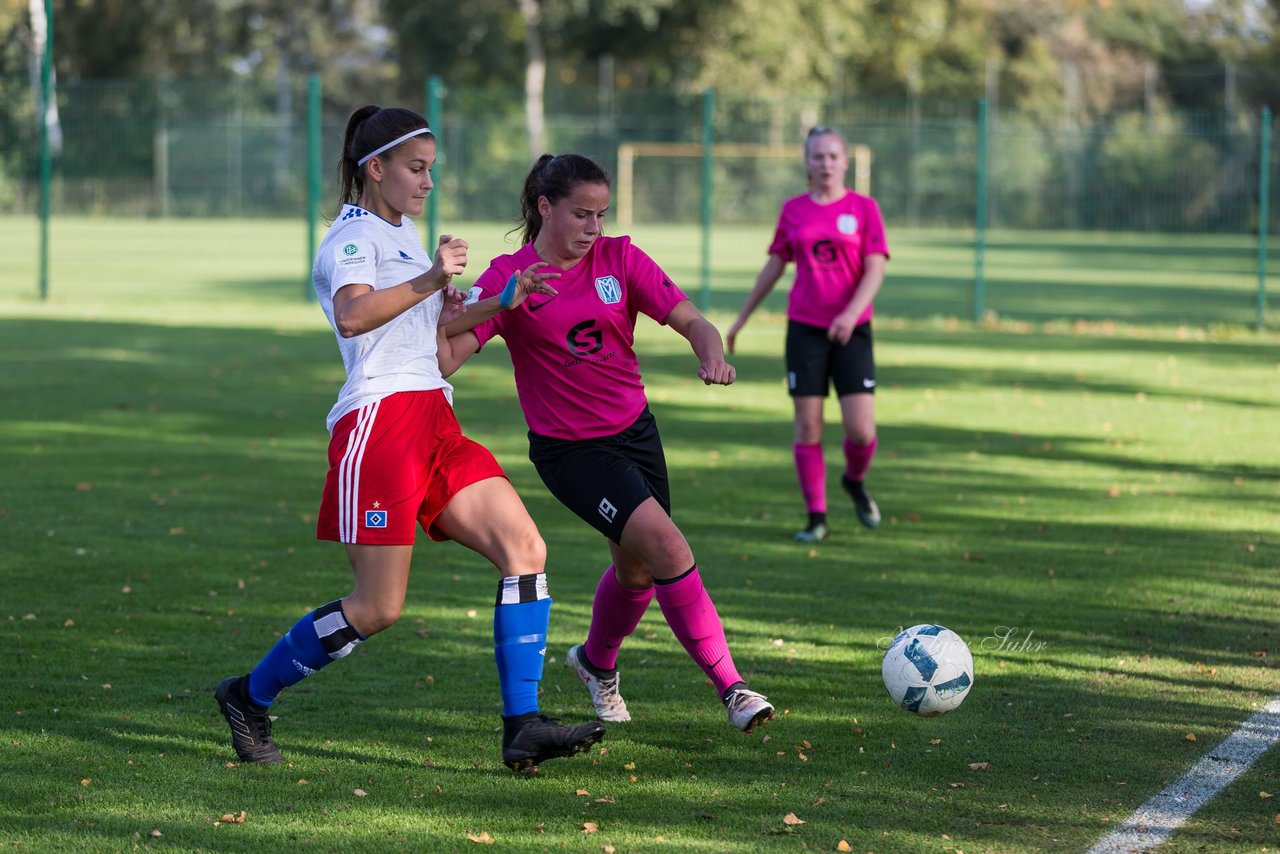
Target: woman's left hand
{"type": "Point", "coordinates": [841, 329]}
{"type": "Point", "coordinates": [717, 372]}
{"type": "Point", "coordinates": [455, 305]}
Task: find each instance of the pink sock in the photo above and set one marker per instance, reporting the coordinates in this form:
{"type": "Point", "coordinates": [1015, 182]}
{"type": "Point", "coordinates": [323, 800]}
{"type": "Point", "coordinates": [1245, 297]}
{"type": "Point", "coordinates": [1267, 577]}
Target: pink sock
{"type": "Point", "coordinates": [858, 458]}
{"type": "Point", "coordinates": [812, 471]}
{"type": "Point", "coordinates": [615, 613]}
{"type": "Point", "coordinates": [692, 616]}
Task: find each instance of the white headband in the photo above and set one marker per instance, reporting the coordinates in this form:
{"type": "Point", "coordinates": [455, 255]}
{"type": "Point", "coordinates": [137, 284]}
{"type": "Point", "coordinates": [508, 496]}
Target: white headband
{"type": "Point", "coordinates": [392, 144]}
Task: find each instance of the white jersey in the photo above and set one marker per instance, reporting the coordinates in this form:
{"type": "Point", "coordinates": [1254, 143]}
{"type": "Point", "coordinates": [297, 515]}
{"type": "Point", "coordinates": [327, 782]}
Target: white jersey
{"type": "Point", "coordinates": [363, 248]}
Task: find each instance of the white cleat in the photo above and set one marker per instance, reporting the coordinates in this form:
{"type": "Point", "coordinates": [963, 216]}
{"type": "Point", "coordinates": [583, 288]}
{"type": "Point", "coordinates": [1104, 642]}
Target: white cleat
{"type": "Point", "coordinates": [747, 709]}
{"type": "Point", "coordinates": [610, 706]}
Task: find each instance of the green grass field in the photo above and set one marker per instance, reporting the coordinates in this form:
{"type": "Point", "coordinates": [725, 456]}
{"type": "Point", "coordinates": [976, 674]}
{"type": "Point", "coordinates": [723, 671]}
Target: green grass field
{"type": "Point", "coordinates": [1091, 505]}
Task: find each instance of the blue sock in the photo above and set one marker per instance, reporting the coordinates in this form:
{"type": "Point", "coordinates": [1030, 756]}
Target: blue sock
{"type": "Point", "coordinates": [520, 619]}
{"type": "Point", "coordinates": [320, 637]}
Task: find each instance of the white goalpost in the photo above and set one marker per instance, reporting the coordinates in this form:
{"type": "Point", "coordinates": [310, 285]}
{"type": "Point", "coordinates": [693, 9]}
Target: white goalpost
{"type": "Point", "coordinates": [629, 152]}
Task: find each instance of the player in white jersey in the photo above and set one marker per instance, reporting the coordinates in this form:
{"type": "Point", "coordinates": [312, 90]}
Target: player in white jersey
{"type": "Point", "coordinates": [397, 458]}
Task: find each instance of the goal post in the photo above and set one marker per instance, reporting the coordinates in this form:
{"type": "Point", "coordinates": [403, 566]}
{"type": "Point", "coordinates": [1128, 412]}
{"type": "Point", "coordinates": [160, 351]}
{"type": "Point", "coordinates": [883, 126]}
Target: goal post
{"type": "Point", "coordinates": [629, 152]}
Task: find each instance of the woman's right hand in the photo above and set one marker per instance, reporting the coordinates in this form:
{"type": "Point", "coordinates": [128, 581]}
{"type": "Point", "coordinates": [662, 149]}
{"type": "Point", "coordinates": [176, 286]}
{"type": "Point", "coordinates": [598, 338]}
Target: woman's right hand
{"type": "Point", "coordinates": [450, 260]}
{"type": "Point", "coordinates": [531, 281]}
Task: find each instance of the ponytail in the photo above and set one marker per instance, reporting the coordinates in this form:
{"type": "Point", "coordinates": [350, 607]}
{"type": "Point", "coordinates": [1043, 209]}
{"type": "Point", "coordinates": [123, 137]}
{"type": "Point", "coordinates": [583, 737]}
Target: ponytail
{"type": "Point", "coordinates": [369, 129]}
{"type": "Point", "coordinates": [554, 177]}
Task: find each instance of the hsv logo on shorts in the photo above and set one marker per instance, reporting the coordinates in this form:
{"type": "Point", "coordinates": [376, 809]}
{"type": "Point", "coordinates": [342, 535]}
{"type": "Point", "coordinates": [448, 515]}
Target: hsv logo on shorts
{"type": "Point", "coordinates": [375, 518]}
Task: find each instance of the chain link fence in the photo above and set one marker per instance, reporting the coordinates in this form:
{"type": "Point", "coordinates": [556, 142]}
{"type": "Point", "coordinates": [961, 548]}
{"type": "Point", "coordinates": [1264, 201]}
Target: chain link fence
{"type": "Point", "coordinates": [239, 148]}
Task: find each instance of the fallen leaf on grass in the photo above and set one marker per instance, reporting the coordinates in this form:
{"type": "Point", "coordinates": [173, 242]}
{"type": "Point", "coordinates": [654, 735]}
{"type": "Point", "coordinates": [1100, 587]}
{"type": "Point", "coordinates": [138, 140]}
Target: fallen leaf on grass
{"type": "Point", "coordinates": [360, 793]}
{"type": "Point", "coordinates": [607, 799]}
{"type": "Point", "coordinates": [791, 821]}
{"type": "Point", "coordinates": [590, 827]}
{"type": "Point", "coordinates": [1264, 794]}
{"type": "Point", "coordinates": [86, 781]}
{"type": "Point", "coordinates": [481, 839]}
{"type": "Point", "coordinates": [230, 818]}
{"type": "Point", "coordinates": [581, 792]}
{"type": "Point", "coordinates": [842, 845]}
{"type": "Point", "coordinates": [979, 766]}
{"type": "Point", "coordinates": [1191, 736]}
{"type": "Point", "coordinates": [156, 833]}
{"type": "Point", "coordinates": [607, 849]}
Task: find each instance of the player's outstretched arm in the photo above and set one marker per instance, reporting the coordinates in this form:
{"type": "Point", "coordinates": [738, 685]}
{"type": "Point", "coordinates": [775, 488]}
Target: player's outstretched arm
{"type": "Point", "coordinates": [518, 287]}
{"type": "Point", "coordinates": [359, 308]}
{"type": "Point", "coordinates": [705, 340]}
{"type": "Point", "coordinates": [765, 280]}
{"type": "Point", "coordinates": [452, 352]}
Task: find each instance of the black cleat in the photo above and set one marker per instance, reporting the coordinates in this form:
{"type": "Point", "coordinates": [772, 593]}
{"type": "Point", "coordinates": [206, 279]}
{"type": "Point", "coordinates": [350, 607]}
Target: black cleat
{"type": "Point", "coordinates": [541, 737]}
{"type": "Point", "coordinates": [250, 723]}
{"type": "Point", "coordinates": [815, 533]}
{"type": "Point", "coordinates": [863, 504]}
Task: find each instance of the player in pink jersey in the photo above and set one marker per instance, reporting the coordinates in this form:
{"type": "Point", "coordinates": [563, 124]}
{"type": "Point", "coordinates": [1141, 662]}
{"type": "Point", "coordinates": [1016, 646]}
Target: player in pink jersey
{"type": "Point", "coordinates": [397, 457]}
{"type": "Point", "coordinates": [836, 239]}
{"type": "Point", "coordinates": [592, 437]}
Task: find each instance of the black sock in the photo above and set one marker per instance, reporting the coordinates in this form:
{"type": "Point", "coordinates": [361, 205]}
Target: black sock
{"type": "Point", "coordinates": [734, 687]}
{"type": "Point", "coordinates": [512, 725]}
{"type": "Point", "coordinates": [816, 519]}
{"type": "Point", "coordinates": [597, 672]}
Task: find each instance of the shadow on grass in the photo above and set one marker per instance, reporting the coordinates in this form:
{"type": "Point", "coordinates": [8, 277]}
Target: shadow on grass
{"type": "Point", "coordinates": [185, 464]}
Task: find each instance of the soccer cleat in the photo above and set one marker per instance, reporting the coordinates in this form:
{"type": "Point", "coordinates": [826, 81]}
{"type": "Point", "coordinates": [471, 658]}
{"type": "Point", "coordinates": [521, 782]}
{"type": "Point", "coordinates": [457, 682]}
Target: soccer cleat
{"type": "Point", "coordinates": [542, 738]}
{"type": "Point", "coordinates": [250, 724]}
{"type": "Point", "coordinates": [604, 692]}
{"type": "Point", "coordinates": [863, 504]}
{"type": "Point", "coordinates": [815, 533]}
{"type": "Point", "coordinates": [747, 709]}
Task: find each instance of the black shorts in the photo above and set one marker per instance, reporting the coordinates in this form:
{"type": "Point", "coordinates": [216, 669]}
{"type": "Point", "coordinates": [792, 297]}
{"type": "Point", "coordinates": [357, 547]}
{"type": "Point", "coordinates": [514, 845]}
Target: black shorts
{"type": "Point", "coordinates": [604, 480]}
{"type": "Point", "coordinates": [814, 362]}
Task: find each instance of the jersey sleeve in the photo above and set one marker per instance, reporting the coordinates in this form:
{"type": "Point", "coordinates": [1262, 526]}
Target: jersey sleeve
{"type": "Point", "coordinates": [649, 289]}
{"type": "Point", "coordinates": [351, 260]}
{"type": "Point", "coordinates": [873, 239]}
{"type": "Point", "coordinates": [781, 245]}
{"type": "Point", "coordinates": [490, 283]}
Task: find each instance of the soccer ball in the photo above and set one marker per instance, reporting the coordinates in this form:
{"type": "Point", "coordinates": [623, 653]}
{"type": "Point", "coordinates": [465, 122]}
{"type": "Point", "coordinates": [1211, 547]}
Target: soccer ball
{"type": "Point", "coordinates": [928, 670]}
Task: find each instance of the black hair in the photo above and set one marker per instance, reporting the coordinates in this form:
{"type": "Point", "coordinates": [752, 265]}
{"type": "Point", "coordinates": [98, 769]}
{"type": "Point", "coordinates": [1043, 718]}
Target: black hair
{"type": "Point", "coordinates": [554, 176]}
{"type": "Point", "coordinates": [368, 129]}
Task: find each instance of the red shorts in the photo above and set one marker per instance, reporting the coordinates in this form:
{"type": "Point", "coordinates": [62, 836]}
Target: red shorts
{"type": "Point", "coordinates": [396, 463]}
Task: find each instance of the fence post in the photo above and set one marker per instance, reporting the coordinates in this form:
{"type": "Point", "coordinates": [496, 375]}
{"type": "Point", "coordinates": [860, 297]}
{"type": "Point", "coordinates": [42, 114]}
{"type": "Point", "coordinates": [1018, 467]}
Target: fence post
{"type": "Point", "coordinates": [980, 217]}
{"type": "Point", "coordinates": [435, 99]}
{"type": "Point", "coordinates": [1264, 196]}
{"type": "Point", "coordinates": [313, 179]}
{"type": "Point", "coordinates": [708, 140]}
{"type": "Point", "coordinates": [46, 154]}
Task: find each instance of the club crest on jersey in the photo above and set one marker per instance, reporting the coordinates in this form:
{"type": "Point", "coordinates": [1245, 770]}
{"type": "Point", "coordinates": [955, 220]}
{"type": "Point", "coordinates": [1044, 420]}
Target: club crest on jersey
{"type": "Point", "coordinates": [375, 518]}
{"type": "Point", "coordinates": [847, 224]}
{"type": "Point", "coordinates": [609, 290]}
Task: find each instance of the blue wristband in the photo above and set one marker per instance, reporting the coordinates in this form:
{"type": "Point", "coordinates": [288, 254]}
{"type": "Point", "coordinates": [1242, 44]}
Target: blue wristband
{"type": "Point", "coordinates": [509, 292]}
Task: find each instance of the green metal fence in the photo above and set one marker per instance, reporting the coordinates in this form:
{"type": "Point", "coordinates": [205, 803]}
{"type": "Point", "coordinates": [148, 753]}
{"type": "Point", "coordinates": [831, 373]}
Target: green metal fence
{"type": "Point", "coordinates": [253, 148]}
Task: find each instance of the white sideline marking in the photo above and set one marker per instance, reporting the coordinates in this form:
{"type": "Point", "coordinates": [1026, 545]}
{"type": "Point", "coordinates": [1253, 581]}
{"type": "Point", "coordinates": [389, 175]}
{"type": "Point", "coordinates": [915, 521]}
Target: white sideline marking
{"type": "Point", "coordinates": [1153, 822]}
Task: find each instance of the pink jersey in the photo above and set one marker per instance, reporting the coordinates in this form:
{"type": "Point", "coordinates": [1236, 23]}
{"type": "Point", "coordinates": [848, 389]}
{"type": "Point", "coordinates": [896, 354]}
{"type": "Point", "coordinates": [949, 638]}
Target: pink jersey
{"type": "Point", "coordinates": [575, 362]}
{"type": "Point", "coordinates": [828, 244]}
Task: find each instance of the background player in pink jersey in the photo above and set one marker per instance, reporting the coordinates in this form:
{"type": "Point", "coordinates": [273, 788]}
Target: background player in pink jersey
{"type": "Point", "coordinates": [592, 437]}
{"type": "Point", "coordinates": [836, 239]}
{"type": "Point", "coordinates": [397, 456]}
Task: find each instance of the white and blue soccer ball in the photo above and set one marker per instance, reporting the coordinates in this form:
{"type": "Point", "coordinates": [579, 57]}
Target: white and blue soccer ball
{"type": "Point", "coordinates": [928, 670]}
